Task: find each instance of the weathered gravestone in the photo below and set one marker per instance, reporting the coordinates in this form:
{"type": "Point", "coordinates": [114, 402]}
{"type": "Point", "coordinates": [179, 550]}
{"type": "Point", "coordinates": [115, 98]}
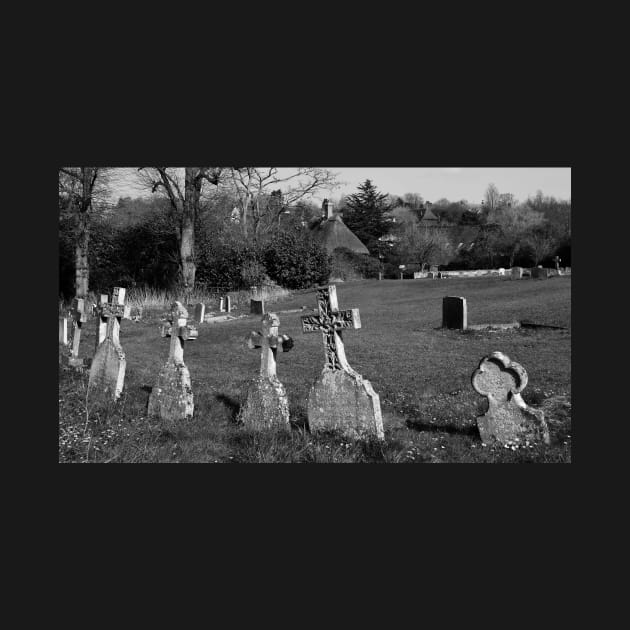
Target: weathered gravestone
{"type": "Point", "coordinates": [172, 397]}
{"type": "Point", "coordinates": [225, 304]}
{"type": "Point", "coordinates": [267, 404]}
{"type": "Point", "coordinates": [517, 273]}
{"type": "Point", "coordinates": [79, 316]}
{"type": "Point", "coordinates": [107, 373]}
{"type": "Point", "coordinates": [454, 313]}
{"type": "Point", "coordinates": [200, 313]}
{"type": "Point", "coordinates": [509, 420]}
{"type": "Point", "coordinates": [340, 398]}
{"type": "Point", "coordinates": [257, 307]}
{"type": "Point", "coordinates": [431, 275]}
{"type": "Point", "coordinates": [540, 273]}
{"type": "Point", "coordinates": [63, 331]}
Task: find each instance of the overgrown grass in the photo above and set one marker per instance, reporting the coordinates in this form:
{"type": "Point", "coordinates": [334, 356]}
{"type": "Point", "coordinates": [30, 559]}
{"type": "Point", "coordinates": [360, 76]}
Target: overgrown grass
{"type": "Point", "coordinates": [421, 372]}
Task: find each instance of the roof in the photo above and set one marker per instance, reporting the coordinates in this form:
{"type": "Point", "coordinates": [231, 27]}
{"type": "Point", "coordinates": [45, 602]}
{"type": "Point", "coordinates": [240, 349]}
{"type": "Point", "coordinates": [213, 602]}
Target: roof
{"type": "Point", "coordinates": [334, 233]}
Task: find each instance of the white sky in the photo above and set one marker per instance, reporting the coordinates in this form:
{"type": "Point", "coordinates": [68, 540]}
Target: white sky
{"type": "Point", "coordinates": [452, 183]}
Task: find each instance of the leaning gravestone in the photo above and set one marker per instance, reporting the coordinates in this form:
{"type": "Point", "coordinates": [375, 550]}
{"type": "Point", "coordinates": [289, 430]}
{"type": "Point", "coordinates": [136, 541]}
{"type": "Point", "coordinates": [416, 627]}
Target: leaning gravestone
{"type": "Point", "coordinates": [257, 307]}
{"type": "Point", "coordinates": [267, 404]}
{"type": "Point", "coordinates": [340, 398]}
{"type": "Point", "coordinates": [200, 313]}
{"type": "Point", "coordinates": [454, 313]}
{"type": "Point", "coordinates": [63, 331]}
{"type": "Point", "coordinates": [517, 273]}
{"type": "Point", "coordinates": [508, 419]}
{"type": "Point", "coordinates": [107, 373]}
{"type": "Point", "coordinates": [79, 316]}
{"type": "Point", "coordinates": [172, 397]}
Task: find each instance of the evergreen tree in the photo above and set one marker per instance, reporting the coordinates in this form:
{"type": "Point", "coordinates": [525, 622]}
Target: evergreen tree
{"type": "Point", "coordinates": [364, 214]}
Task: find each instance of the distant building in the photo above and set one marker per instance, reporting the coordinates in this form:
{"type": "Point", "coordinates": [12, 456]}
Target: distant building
{"type": "Point", "coordinates": [332, 233]}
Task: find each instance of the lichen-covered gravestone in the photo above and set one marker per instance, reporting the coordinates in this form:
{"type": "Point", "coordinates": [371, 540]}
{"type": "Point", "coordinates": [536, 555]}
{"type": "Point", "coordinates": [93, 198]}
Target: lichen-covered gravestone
{"type": "Point", "coordinates": [267, 404]}
{"type": "Point", "coordinates": [107, 373]}
{"type": "Point", "coordinates": [454, 313]}
{"type": "Point", "coordinates": [509, 420]}
{"type": "Point", "coordinates": [172, 397]}
{"type": "Point", "coordinates": [340, 398]}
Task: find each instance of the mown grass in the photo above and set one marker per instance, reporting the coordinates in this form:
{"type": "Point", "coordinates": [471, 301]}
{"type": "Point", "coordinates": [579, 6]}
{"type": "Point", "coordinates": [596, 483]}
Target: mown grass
{"type": "Point", "coordinates": [421, 372]}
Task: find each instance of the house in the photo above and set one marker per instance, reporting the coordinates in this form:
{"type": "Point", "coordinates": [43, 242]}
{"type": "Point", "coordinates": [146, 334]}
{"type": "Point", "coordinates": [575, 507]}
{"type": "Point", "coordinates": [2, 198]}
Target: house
{"type": "Point", "coordinates": [333, 233]}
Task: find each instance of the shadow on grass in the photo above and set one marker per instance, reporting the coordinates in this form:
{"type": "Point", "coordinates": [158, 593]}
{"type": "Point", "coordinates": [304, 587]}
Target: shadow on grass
{"type": "Point", "coordinates": [233, 405]}
{"type": "Point", "coordinates": [443, 428]}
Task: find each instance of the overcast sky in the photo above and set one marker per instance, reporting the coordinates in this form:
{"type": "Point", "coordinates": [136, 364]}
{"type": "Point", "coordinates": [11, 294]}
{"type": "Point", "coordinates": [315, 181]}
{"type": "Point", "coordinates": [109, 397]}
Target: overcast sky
{"type": "Point", "coordinates": [436, 183]}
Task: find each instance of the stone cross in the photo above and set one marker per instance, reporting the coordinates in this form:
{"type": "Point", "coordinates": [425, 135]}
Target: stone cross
{"type": "Point", "coordinates": [107, 372]}
{"type": "Point", "coordinates": [269, 340]}
{"type": "Point", "coordinates": [330, 321]}
{"type": "Point", "coordinates": [172, 396]}
{"type": "Point", "coordinates": [509, 420]}
{"type": "Point", "coordinates": [340, 399]}
{"type": "Point", "coordinates": [266, 404]}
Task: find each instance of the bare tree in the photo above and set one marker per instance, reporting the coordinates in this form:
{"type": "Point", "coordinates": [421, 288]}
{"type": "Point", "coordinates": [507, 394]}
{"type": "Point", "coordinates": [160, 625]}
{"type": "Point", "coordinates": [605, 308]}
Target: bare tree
{"type": "Point", "coordinates": [541, 243]}
{"type": "Point", "coordinates": [184, 197]}
{"type": "Point", "coordinates": [254, 186]}
{"type": "Point", "coordinates": [424, 246]}
{"type": "Point", "coordinates": [80, 187]}
{"type": "Point", "coordinates": [492, 197]}
{"type": "Point", "coordinates": [515, 223]}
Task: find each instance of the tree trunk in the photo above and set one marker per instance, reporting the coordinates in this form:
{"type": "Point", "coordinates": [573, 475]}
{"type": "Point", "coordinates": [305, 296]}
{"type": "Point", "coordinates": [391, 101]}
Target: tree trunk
{"type": "Point", "coordinates": [187, 240]}
{"type": "Point", "coordinates": [82, 274]}
{"type": "Point", "coordinates": [82, 269]}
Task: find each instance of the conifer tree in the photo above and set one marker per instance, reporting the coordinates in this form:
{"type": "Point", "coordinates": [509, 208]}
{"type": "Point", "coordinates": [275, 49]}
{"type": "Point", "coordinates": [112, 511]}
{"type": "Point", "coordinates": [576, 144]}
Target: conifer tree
{"type": "Point", "coordinates": [364, 214]}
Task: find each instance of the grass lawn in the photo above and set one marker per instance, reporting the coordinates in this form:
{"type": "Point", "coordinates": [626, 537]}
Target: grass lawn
{"type": "Point", "coordinates": [421, 372]}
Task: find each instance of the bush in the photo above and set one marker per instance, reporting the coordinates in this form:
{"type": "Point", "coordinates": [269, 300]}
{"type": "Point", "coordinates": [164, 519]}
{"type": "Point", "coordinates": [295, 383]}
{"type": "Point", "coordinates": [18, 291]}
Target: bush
{"type": "Point", "coordinates": [350, 266]}
{"type": "Point", "coordinates": [295, 261]}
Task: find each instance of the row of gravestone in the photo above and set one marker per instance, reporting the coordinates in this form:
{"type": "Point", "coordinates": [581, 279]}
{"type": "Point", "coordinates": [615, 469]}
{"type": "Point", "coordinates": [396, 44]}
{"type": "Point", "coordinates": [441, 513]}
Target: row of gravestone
{"type": "Point", "coordinates": [340, 398]}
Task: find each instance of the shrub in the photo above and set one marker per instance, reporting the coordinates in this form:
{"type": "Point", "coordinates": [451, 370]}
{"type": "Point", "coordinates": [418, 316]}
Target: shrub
{"type": "Point", "coordinates": [350, 266]}
{"type": "Point", "coordinates": [295, 261]}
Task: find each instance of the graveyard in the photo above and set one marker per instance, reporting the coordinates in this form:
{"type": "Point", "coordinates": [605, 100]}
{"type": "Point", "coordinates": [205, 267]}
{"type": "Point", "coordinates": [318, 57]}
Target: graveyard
{"type": "Point", "coordinates": [396, 346]}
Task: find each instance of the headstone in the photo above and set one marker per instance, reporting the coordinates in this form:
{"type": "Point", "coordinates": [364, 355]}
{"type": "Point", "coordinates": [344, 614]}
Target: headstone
{"type": "Point", "coordinates": [557, 261]}
{"type": "Point", "coordinates": [63, 331]}
{"type": "Point", "coordinates": [172, 397]}
{"type": "Point", "coordinates": [431, 274]}
{"type": "Point", "coordinates": [228, 304]}
{"type": "Point", "coordinates": [107, 373]}
{"type": "Point", "coordinates": [222, 305]}
{"type": "Point", "coordinates": [454, 313]}
{"type": "Point", "coordinates": [257, 307]}
{"type": "Point", "coordinates": [517, 273]}
{"type": "Point", "coordinates": [501, 271]}
{"type": "Point", "coordinates": [267, 404]}
{"type": "Point", "coordinates": [79, 316]}
{"type": "Point", "coordinates": [540, 273]}
{"type": "Point", "coordinates": [200, 313]}
{"type": "Point", "coordinates": [509, 420]}
{"type": "Point", "coordinates": [340, 398]}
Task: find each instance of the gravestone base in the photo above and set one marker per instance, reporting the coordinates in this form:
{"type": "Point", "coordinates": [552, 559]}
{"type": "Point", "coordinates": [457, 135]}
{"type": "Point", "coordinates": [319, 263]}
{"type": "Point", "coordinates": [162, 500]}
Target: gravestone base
{"type": "Point", "coordinates": [107, 372]}
{"type": "Point", "coordinates": [172, 397]}
{"type": "Point", "coordinates": [76, 363]}
{"type": "Point", "coordinates": [267, 405]}
{"type": "Point", "coordinates": [346, 402]}
{"type": "Point", "coordinates": [514, 423]}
